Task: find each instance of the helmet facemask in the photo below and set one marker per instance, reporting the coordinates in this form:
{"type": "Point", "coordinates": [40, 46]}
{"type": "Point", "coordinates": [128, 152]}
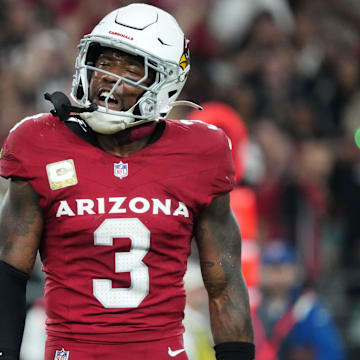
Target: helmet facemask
{"type": "Point", "coordinates": [155, 36]}
{"type": "Point", "coordinates": [153, 104]}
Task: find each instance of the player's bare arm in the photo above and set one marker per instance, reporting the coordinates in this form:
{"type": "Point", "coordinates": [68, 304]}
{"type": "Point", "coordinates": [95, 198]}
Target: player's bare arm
{"type": "Point", "coordinates": [20, 226]}
{"type": "Point", "coordinates": [219, 243]}
{"type": "Point", "coordinates": [20, 232]}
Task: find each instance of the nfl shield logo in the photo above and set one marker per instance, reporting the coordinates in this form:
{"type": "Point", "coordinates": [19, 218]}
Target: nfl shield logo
{"type": "Point", "coordinates": [61, 354]}
{"type": "Point", "coordinates": [121, 170]}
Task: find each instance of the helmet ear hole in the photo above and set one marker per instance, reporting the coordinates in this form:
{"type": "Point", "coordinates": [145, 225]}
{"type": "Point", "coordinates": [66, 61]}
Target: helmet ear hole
{"type": "Point", "coordinates": [80, 91]}
{"type": "Point", "coordinates": [172, 93]}
{"type": "Point", "coordinates": [137, 110]}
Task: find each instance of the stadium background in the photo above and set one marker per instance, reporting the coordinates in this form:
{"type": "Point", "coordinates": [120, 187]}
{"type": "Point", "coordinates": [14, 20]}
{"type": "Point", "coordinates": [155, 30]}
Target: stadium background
{"type": "Point", "coordinates": [290, 71]}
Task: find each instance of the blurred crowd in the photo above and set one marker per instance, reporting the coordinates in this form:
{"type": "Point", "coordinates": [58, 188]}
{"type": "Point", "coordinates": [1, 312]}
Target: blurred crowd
{"type": "Point", "coordinates": [288, 68]}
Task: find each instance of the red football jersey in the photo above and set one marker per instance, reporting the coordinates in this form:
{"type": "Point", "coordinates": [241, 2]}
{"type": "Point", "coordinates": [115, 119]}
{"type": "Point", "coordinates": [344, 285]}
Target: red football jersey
{"type": "Point", "coordinates": [117, 230]}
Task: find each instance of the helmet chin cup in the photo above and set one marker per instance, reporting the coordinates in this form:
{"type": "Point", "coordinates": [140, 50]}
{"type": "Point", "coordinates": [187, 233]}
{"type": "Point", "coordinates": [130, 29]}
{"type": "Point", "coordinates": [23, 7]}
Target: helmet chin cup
{"type": "Point", "coordinates": [103, 122]}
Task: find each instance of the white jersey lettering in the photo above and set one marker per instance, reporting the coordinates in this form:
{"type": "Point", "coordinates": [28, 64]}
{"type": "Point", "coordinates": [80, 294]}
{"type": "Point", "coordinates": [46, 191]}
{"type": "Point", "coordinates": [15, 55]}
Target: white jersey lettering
{"type": "Point", "coordinates": [101, 205]}
{"type": "Point", "coordinates": [181, 210]}
{"type": "Point", "coordinates": [64, 209]}
{"type": "Point", "coordinates": [122, 205]}
{"type": "Point", "coordinates": [116, 209]}
{"type": "Point", "coordinates": [85, 206]}
{"type": "Point", "coordinates": [145, 205]}
{"type": "Point", "coordinates": [158, 205]}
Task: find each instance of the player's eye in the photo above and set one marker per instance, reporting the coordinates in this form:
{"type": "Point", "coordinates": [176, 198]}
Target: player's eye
{"type": "Point", "coordinates": [133, 70]}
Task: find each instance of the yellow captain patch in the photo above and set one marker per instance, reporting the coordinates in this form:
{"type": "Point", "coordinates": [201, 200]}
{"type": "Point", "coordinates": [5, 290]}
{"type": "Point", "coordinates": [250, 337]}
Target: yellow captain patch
{"type": "Point", "coordinates": [1, 152]}
{"type": "Point", "coordinates": [61, 174]}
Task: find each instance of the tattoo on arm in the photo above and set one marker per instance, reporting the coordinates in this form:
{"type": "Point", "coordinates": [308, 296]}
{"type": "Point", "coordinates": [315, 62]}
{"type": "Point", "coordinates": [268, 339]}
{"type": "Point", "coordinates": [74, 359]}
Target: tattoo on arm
{"type": "Point", "coordinates": [219, 243]}
{"type": "Point", "coordinates": [21, 225]}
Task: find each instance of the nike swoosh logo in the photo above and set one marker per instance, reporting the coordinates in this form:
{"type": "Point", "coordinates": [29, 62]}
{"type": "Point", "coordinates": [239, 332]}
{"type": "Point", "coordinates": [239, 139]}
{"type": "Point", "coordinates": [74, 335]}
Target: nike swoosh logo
{"type": "Point", "coordinates": [175, 353]}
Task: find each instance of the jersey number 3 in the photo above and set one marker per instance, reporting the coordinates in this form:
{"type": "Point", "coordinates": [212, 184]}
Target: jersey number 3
{"type": "Point", "coordinates": [130, 261]}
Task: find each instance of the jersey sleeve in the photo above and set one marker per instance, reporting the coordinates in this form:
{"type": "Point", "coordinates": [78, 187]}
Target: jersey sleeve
{"type": "Point", "coordinates": [217, 176]}
{"type": "Point", "coordinates": [25, 152]}
{"type": "Point", "coordinates": [25, 148]}
{"type": "Point", "coordinates": [224, 180]}
{"type": "Point", "coordinates": [13, 156]}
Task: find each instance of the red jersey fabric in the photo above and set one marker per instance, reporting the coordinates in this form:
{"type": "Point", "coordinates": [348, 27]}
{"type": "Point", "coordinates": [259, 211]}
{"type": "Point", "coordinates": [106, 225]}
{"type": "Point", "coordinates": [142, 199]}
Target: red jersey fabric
{"type": "Point", "coordinates": [163, 349]}
{"type": "Point", "coordinates": [117, 230]}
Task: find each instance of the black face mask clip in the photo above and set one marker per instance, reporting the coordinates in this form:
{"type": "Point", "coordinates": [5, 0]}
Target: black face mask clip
{"type": "Point", "coordinates": [63, 107]}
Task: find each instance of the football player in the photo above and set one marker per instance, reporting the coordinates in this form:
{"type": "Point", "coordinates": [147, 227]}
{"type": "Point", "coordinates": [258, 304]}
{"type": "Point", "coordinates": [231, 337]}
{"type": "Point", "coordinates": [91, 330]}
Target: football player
{"type": "Point", "coordinates": [111, 194]}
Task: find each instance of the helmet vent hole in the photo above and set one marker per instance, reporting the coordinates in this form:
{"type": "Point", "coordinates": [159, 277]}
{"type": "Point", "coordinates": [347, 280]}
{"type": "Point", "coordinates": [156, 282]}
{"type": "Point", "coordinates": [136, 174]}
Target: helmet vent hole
{"type": "Point", "coordinates": [172, 93]}
{"type": "Point", "coordinates": [163, 43]}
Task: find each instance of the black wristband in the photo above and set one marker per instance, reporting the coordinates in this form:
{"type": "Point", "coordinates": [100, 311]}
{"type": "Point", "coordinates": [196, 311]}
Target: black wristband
{"type": "Point", "coordinates": [235, 351]}
{"type": "Point", "coordinates": [12, 310]}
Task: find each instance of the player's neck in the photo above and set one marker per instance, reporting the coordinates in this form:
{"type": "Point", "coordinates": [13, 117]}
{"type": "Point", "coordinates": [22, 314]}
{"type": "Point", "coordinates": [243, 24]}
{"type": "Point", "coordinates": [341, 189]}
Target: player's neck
{"type": "Point", "coordinates": [121, 144]}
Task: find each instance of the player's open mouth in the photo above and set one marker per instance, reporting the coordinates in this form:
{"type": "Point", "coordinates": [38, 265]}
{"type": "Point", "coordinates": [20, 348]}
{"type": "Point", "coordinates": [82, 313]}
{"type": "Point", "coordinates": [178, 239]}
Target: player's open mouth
{"type": "Point", "coordinates": [113, 102]}
{"type": "Point", "coordinates": [104, 94]}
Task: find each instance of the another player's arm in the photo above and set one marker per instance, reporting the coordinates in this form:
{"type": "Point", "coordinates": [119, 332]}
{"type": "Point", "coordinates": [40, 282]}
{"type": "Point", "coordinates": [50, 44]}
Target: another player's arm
{"type": "Point", "coordinates": [21, 224]}
{"type": "Point", "coordinates": [219, 243]}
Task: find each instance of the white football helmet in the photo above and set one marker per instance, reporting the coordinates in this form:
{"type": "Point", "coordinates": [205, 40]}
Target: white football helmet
{"type": "Point", "coordinates": [142, 30]}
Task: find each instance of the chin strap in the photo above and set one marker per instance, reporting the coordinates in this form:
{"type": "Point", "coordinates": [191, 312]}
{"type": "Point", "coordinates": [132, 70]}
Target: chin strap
{"type": "Point", "coordinates": [186, 103]}
{"type": "Point", "coordinates": [63, 107]}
